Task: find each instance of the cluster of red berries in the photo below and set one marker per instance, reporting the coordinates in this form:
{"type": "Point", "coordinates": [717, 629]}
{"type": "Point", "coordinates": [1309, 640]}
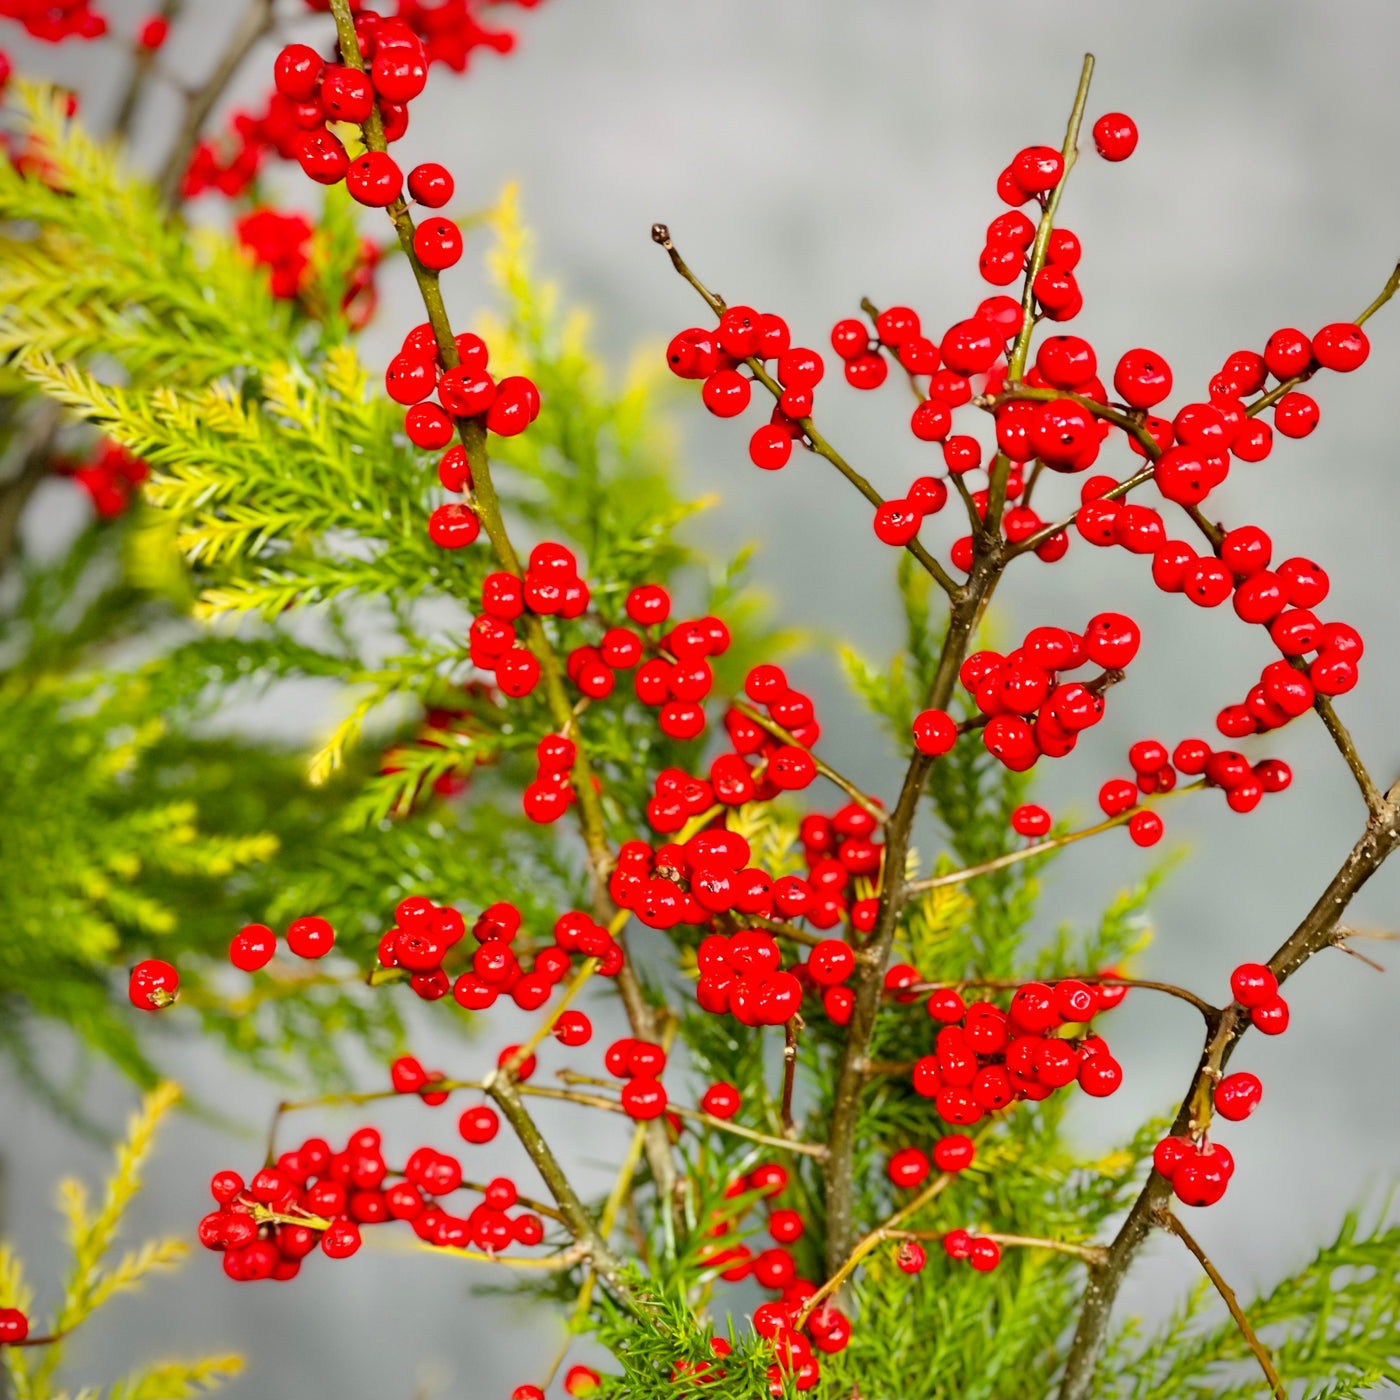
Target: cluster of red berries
{"type": "Point", "coordinates": [745, 336]}
{"type": "Point", "coordinates": [55, 20]}
{"type": "Point", "coordinates": [985, 1059]}
{"type": "Point", "coordinates": [255, 945]}
{"type": "Point", "coordinates": [448, 32]}
{"type": "Point", "coordinates": [827, 1329]}
{"type": "Point", "coordinates": [675, 680]}
{"type": "Point", "coordinates": [1030, 711]}
{"type": "Point", "coordinates": [776, 766]}
{"type": "Point", "coordinates": [1243, 783]}
{"type": "Point", "coordinates": [282, 244]}
{"type": "Point", "coordinates": [1200, 1171]}
{"type": "Point", "coordinates": [425, 933]}
{"type": "Point", "coordinates": [466, 390]}
{"type": "Point", "coordinates": [313, 1196]}
{"type": "Point", "coordinates": [111, 477]}
{"type": "Point", "coordinates": [641, 1063]}
{"type": "Point", "coordinates": [983, 1254]}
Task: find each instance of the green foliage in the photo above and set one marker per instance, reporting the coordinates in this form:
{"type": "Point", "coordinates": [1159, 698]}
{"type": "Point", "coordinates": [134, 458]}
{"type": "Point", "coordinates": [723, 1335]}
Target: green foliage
{"type": "Point", "coordinates": [1335, 1324]}
{"type": "Point", "coordinates": [93, 1281]}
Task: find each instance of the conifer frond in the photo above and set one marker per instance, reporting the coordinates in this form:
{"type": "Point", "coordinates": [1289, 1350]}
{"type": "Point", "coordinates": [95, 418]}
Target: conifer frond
{"type": "Point", "coordinates": [177, 1380]}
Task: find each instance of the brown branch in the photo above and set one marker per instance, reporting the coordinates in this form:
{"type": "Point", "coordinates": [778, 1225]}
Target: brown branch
{"type": "Point", "coordinates": [142, 64]}
{"type": "Point", "coordinates": [965, 615]}
{"type": "Point", "coordinates": [1173, 1226]}
{"type": "Point", "coordinates": [790, 1028]}
{"type": "Point", "coordinates": [257, 20]}
{"type": "Point", "coordinates": [1211, 1013]}
{"type": "Point", "coordinates": [1314, 932]}
{"type": "Point", "coordinates": [662, 235]}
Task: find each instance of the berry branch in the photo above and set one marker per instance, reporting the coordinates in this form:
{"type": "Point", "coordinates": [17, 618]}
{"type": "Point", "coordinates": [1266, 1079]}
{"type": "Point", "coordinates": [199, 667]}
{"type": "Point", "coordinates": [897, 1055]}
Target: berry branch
{"type": "Point", "coordinates": [1380, 839]}
{"type": "Point", "coordinates": [662, 235]}
{"type": "Point", "coordinates": [472, 435]}
{"type": "Point", "coordinates": [1055, 843]}
{"type": "Point", "coordinates": [967, 606]}
{"type": "Point", "coordinates": [1170, 1223]}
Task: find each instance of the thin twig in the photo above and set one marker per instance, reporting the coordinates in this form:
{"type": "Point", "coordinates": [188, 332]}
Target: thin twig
{"type": "Point", "coordinates": [723, 1125]}
{"type": "Point", "coordinates": [1173, 1226]}
{"type": "Point", "coordinates": [1211, 1013]}
{"type": "Point", "coordinates": [1089, 1253]}
{"type": "Point", "coordinates": [936, 1187]}
{"type": "Point", "coordinates": [1055, 843]}
{"type": "Point", "coordinates": [788, 737]}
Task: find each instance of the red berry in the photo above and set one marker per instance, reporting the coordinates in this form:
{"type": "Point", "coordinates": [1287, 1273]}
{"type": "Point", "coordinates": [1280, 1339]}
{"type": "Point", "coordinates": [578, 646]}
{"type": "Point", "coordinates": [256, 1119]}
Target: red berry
{"type": "Point", "coordinates": [346, 95]}
{"type": "Point", "coordinates": [770, 447]}
{"type": "Point", "coordinates": [935, 732]}
{"type": "Point", "coordinates": [399, 73]}
{"type": "Point", "coordinates": [896, 522]}
{"type": "Point", "coordinates": [984, 1255]}
{"type": "Point", "coordinates": [454, 525]}
{"type": "Point", "coordinates": [1199, 1181]}
{"type": "Point", "coordinates": [1115, 136]}
{"type": "Point", "coordinates": [721, 1101]}
{"type": "Point", "coordinates": [1237, 1096]}
{"type": "Point", "coordinates": [1030, 820]}
{"type": "Point", "coordinates": [971, 347]}
{"type": "Point", "coordinates": [253, 946]}
{"type": "Point", "coordinates": [957, 1244]}
{"type": "Point", "coordinates": [1100, 1075]}
{"type": "Point", "coordinates": [867, 371]}
{"type": "Point", "coordinates": [297, 71]}
{"type": "Point", "coordinates": [1142, 378]}
{"type": "Point", "coordinates": [1288, 353]}
{"type": "Point", "coordinates": [479, 1124]}
{"type": "Point", "coordinates": [153, 985]}
{"type": "Point", "coordinates": [1253, 984]}
{"type": "Point", "coordinates": [931, 421]}
{"type": "Point", "coordinates": [374, 179]}
{"type": "Point", "coordinates": [1341, 346]}
{"type": "Point", "coordinates": [908, 1167]}
{"type": "Point", "coordinates": [849, 338]}
{"type": "Point", "coordinates": [726, 393]}
{"type": "Point", "coordinates": [1038, 169]}
{"type": "Point", "coordinates": [321, 156]}
{"type": "Point", "coordinates": [643, 1098]}
{"type": "Point", "coordinates": [1111, 640]}
{"type": "Point", "coordinates": [437, 243]}
{"type": "Point", "coordinates": [910, 1256]}
{"type": "Point", "coordinates": [430, 185]}
{"type": "Point", "coordinates": [427, 426]}
{"type": "Point", "coordinates": [1296, 415]}
{"type": "Point", "coordinates": [1271, 1016]}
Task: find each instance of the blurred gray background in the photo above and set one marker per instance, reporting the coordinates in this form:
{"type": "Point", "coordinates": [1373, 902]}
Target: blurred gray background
{"type": "Point", "coordinates": [806, 154]}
